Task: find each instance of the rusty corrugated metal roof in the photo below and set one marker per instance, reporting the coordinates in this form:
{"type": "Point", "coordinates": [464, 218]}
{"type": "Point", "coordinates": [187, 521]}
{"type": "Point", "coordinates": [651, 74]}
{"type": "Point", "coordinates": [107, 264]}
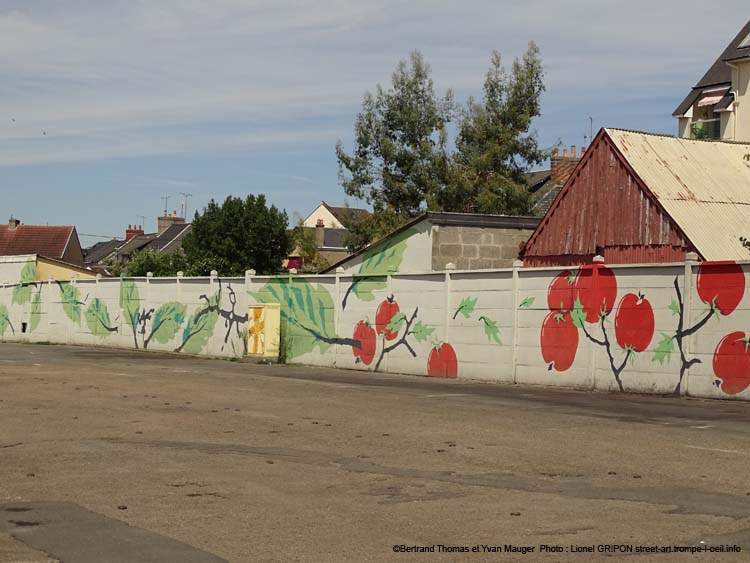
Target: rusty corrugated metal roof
{"type": "Point", "coordinates": [704, 186]}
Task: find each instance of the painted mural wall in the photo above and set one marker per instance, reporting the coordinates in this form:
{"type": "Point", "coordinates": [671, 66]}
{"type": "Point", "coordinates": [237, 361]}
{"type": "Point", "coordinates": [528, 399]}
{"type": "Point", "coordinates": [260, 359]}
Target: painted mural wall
{"type": "Point", "coordinates": [663, 329]}
{"type": "Point", "coordinates": [192, 315]}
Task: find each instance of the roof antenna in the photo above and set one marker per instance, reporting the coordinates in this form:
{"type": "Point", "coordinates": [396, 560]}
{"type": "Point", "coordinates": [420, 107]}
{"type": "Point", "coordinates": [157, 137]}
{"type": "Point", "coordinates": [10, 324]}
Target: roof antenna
{"type": "Point", "coordinates": [588, 139]}
{"type": "Point", "coordinates": [166, 203]}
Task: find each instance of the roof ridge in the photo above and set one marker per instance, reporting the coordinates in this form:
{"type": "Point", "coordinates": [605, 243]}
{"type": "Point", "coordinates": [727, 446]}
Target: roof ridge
{"type": "Point", "coordinates": [676, 138]}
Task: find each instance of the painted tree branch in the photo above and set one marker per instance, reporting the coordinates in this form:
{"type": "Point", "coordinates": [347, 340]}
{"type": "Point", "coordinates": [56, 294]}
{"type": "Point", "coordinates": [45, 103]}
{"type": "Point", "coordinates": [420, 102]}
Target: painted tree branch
{"type": "Point", "coordinates": [401, 341]}
{"type": "Point", "coordinates": [681, 333]}
{"type": "Point", "coordinates": [327, 339]}
{"type": "Point", "coordinates": [607, 345]}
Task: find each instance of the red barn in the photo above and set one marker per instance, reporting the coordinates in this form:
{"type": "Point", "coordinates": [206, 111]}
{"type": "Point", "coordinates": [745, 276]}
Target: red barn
{"type": "Point", "coordinates": [643, 198]}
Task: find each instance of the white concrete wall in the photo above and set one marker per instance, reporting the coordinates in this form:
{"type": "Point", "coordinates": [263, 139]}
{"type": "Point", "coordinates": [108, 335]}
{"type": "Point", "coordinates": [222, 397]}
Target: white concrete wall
{"type": "Point", "coordinates": [497, 334]}
{"type": "Point", "coordinates": [192, 315]}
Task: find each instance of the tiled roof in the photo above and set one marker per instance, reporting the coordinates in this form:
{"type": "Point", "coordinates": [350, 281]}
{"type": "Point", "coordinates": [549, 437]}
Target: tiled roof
{"type": "Point", "coordinates": [101, 250]}
{"type": "Point", "coordinates": [172, 233]}
{"type": "Point", "coordinates": [343, 214]}
{"type": "Point", "coordinates": [136, 243]}
{"type": "Point", "coordinates": [35, 239]}
{"type": "Point", "coordinates": [720, 72]}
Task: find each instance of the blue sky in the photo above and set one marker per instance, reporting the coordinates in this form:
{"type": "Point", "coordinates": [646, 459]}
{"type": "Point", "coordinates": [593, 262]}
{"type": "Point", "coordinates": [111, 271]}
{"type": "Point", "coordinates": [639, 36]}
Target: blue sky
{"type": "Point", "coordinates": [105, 106]}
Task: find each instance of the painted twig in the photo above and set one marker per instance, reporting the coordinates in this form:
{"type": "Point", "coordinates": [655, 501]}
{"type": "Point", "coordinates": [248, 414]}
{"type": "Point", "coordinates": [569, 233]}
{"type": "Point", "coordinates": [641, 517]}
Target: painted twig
{"type": "Point", "coordinates": [607, 345]}
{"type": "Point", "coordinates": [401, 341]}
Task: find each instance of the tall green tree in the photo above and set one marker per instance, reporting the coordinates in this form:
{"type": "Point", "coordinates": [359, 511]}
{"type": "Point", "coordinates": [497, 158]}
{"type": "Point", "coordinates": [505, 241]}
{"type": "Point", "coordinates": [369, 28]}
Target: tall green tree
{"type": "Point", "coordinates": [494, 145]}
{"type": "Point", "coordinates": [159, 263]}
{"type": "Point", "coordinates": [402, 163]}
{"type": "Point", "coordinates": [400, 137]}
{"type": "Point", "coordinates": [238, 235]}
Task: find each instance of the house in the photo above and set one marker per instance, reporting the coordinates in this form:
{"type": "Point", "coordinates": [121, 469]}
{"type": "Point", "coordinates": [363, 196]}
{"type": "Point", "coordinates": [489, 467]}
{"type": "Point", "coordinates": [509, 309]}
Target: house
{"type": "Point", "coordinates": [718, 106]}
{"type": "Point", "coordinates": [544, 185]}
{"type": "Point", "coordinates": [55, 242]}
{"type": "Point", "coordinates": [432, 240]}
{"type": "Point", "coordinates": [639, 197]}
{"type": "Point", "coordinates": [333, 217]}
{"type": "Point", "coordinates": [171, 230]}
{"type": "Point", "coordinates": [27, 268]}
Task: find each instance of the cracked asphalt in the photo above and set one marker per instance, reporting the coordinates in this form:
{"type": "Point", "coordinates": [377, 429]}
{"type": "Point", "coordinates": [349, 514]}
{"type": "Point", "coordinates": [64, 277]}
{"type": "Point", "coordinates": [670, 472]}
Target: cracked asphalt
{"type": "Point", "coordinates": [116, 455]}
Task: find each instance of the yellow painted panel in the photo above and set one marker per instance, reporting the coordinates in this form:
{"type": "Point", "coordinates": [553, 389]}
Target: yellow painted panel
{"type": "Point", "coordinates": [59, 272]}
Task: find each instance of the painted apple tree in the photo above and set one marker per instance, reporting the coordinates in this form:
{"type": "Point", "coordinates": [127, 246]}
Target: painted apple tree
{"type": "Point", "coordinates": [584, 302]}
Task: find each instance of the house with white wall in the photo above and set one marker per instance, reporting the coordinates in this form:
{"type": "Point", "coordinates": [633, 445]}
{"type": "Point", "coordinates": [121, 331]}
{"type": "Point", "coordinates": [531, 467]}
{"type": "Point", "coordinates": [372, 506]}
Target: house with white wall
{"type": "Point", "coordinates": [718, 106]}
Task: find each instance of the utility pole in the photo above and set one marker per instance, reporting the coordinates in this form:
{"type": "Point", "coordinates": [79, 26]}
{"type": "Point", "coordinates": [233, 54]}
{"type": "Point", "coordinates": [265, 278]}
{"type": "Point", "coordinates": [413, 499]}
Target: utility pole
{"type": "Point", "coordinates": [185, 203]}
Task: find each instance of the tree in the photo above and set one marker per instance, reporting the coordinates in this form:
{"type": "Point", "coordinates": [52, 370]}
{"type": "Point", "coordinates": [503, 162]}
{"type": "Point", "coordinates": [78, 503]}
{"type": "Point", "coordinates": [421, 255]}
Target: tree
{"type": "Point", "coordinates": [159, 263]}
{"type": "Point", "coordinates": [400, 138]}
{"type": "Point", "coordinates": [303, 241]}
{"type": "Point", "coordinates": [236, 236]}
{"type": "Point", "coordinates": [494, 147]}
{"type": "Point", "coordinates": [401, 162]}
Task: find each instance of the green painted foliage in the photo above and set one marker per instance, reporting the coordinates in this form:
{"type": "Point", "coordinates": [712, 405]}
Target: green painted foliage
{"type": "Point", "coordinates": [22, 291]}
{"type": "Point", "coordinates": [71, 301]}
{"type": "Point", "coordinates": [380, 260]}
{"type": "Point", "coordinates": [491, 330]}
{"type": "Point", "coordinates": [130, 302]}
{"type": "Point", "coordinates": [422, 332]}
{"type": "Point", "coordinates": [396, 323]}
{"type": "Point", "coordinates": [97, 318]}
{"type": "Point", "coordinates": [4, 320]}
{"type": "Point", "coordinates": [527, 302]}
{"type": "Point", "coordinates": [36, 311]}
{"type": "Point", "coordinates": [200, 326]}
{"type": "Point", "coordinates": [305, 309]}
{"type": "Point", "coordinates": [663, 350]}
{"type": "Point", "coordinates": [578, 314]}
{"type": "Point", "coordinates": [466, 307]}
{"type": "Point", "coordinates": [167, 321]}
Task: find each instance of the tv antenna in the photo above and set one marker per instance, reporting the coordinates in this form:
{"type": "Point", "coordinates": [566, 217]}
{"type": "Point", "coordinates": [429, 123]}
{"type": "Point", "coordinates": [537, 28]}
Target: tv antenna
{"type": "Point", "coordinates": [185, 203]}
{"type": "Point", "coordinates": [587, 139]}
{"type": "Point", "coordinates": [166, 203]}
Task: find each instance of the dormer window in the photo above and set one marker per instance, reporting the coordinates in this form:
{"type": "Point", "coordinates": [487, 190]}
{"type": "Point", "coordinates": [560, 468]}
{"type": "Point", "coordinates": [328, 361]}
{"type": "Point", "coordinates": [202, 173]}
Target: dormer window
{"type": "Point", "coordinates": [745, 42]}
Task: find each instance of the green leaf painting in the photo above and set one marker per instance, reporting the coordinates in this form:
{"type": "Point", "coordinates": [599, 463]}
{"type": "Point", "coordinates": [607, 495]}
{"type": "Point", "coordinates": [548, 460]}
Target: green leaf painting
{"type": "Point", "coordinates": [422, 332]}
{"type": "Point", "coordinates": [674, 307]}
{"type": "Point", "coordinates": [97, 319]}
{"type": "Point", "coordinates": [130, 302]}
{"type": "Point", "coordinates": [4, 320]}
{"type": "Point", "coordinates": [22, 291]}
{"type": "Point", "coordinates": [379, 261]}
{"type": "Point", "coordinates": [306, 311]}
{"type": "Point", "coordinates": [167, 321]}
{"type": "Point", "coordinates": [663, 350]}
{"type": "Point", "coordinates": [36, 311]}
{"type": "Point", "coordinates": [466, 307]}
{"type": "Point", "coordinates": [491, 330]}
{"type": "Point", "coordinates": [578, 314]}
{"type": "Point", "coordinates": [200, 326]}
{"type": "Point", "coordinates": [527, 302]}
{"type": "Point", "coordinates": [71, 302]}
{"type": "Point", "coordinates": [397, 321]}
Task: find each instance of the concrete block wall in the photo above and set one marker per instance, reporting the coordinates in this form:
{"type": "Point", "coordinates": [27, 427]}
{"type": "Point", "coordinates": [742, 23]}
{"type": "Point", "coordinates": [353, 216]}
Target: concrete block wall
{"type": "Point", "coordinates": [206, 316]}
{"type": "Point", "coordinates": [662, 329]}
{"type": "Point", "coordinates": [475, 248]}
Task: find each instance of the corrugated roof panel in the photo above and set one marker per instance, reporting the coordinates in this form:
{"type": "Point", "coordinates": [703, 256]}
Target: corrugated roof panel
{"type": "Point", "coordinates": [704, 186]}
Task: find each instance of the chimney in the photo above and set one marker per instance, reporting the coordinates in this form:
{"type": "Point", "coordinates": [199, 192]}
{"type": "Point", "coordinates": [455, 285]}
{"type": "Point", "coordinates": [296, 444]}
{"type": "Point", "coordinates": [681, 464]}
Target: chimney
{"type": "Point", "coordinates": [320, 234]}
{"type": "Point", "coordinates": [13, 223]}
{"type": "Point", "coordinates": [561, 167]}
{"type": "Point", "coordinates": [163, 223]}
{"type": "Point", "coordinates": [133, 231]}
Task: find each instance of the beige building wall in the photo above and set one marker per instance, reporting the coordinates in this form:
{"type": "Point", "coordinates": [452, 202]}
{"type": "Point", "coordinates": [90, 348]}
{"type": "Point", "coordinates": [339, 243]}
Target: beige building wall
{"type": "Point", "coordinates": [328, 219]}
{"type": "Point", "coordinates": [46, 270]}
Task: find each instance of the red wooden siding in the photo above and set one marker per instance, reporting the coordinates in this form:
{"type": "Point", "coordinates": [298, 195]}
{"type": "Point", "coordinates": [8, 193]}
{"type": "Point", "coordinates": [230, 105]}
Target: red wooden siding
{"type": "Point", "coordinates": [604, 207]}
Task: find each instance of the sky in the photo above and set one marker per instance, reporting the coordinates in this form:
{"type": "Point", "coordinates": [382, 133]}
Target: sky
{"type": "Point", "coordinates": [107, 106]}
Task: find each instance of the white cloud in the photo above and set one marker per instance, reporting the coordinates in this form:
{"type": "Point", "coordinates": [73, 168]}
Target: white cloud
{"type": "Point", "coordinates": [131, 78]}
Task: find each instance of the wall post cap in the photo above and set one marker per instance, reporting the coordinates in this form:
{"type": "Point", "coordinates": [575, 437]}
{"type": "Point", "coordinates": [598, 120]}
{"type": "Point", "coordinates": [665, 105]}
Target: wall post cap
{"type": "Point", "coordinates": [98, 276]}
{"type": "Point", "coordinates": [450, 266]}
{"type": "Point", "coordinates": [691, 257]}
{"type": "Point", "coordinates": [214, 273]}
{"type": "Point", "coordinates": [249, 272]}
{"type": "Point", "coordinates": [340, 270]}
{"type": "Point", "coordinates": [180, 274]}
{"type": "Point", "coordinates": [149, 274]}
{"type": "Point", "coordinates": [598, 259]}
{"type": "Point", "coordinates": [292, 271]}
{"type": "Point", "coordinates": [518, 263]}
